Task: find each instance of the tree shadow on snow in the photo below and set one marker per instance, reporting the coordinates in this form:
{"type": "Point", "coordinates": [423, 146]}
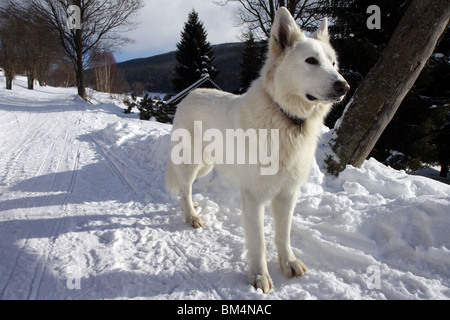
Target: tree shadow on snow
{"type": "Point", "coordinates": [24, 274]}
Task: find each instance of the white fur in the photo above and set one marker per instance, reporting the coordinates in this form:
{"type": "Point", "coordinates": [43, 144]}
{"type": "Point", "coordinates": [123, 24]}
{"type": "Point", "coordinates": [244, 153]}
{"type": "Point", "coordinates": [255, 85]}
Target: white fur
{"type": "Point", "coordinates": [286, 80]}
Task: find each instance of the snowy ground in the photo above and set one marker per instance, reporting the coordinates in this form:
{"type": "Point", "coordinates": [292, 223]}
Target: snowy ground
{"type": "Point", "coordinates": [84, 215]}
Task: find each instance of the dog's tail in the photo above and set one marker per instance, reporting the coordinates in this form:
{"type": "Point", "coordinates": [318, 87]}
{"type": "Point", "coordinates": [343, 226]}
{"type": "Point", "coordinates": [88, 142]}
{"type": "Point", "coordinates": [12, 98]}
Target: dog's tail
{"type": "Point", "coordinates": [172, 183]}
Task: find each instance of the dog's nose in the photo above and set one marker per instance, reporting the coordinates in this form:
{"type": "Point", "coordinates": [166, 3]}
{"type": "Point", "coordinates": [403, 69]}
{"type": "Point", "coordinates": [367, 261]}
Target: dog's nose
{"type": "Point", "coordinates": [341, 87]}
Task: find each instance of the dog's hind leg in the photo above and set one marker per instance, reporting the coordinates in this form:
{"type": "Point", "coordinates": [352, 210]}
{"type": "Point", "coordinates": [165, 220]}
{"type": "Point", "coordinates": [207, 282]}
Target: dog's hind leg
{"type": "Point", "coordinates": [172, 183]}
{"type": "Point", "coordinates": [283, 207]}
{"type": "Point", "coordinates": [189, 173]}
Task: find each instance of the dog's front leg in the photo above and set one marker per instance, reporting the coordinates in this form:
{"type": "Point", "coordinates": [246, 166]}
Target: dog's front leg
{"type": "Point", "coordinates": [253, 221]}
{"type": "Point", "coordinates": [283, 207]}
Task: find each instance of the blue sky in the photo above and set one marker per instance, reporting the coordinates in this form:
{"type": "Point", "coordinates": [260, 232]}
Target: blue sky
{"type": "Point", "coordinates": [161, 22]}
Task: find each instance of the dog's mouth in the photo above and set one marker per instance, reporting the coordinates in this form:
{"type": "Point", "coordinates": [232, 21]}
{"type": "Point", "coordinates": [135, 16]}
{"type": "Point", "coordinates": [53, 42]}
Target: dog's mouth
{"type": "Point", "coordinates": [331, 98]}
{"type": "Point", "coordinates": [311, 98]}
{"type": "Point", "coordinates": [337, 98]}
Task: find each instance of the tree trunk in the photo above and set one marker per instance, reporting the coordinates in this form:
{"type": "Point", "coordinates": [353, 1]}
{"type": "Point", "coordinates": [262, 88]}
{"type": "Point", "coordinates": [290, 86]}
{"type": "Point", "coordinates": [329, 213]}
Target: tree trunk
{"type": "Point", "coordinates": [79, 72]}
{"type": "Point", "coordinates": [444, 170]}
{"type": "Point", "coordinates": [382, 91]}
{"type": "Point", "coordinates": [80, 81]}
{"type": "Point", "coordinates": [42, 74]}
{"type": "Point", "coordinates": [30, 78]}
{"type": "Point", "coordinates": [9, 82]}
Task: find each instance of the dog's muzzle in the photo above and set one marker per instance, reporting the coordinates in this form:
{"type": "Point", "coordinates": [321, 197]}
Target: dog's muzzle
{"type": "Point", "coordinates": [341, 88]}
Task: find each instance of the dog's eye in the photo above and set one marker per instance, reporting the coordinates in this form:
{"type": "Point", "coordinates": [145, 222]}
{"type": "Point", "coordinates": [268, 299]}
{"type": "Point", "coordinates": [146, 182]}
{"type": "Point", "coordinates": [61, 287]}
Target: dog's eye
{"type": "Point", "coordinates": [334, 64]}
{"type": "Point", "coordinates": [312, 61]}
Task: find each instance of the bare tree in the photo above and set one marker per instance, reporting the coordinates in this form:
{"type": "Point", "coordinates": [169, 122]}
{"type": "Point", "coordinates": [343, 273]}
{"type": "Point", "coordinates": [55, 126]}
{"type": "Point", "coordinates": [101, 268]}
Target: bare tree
{"type": "Point", "coordinates": [31, 45]}
{"type": "Point", "coordinates": [376, 100]}
{"type": "Point", "coordinates": [105, 70]}
{"type": "Point", "coordinates": [10, 34]}
{"type": "Point", "coordinates": [49, 51]}
{"type": "Point", "coordinates": [102, 61]}
{"type": "Point", "coordinates": [99, 26]}
{"type": "Point", "coordinates": [39, 48]}
{"type": "Point", "coordinates": [62, 74]}
{"type": "Point", "coordinates": [258, 15]}
{"type": "Point", "coordinates": [28, 45]}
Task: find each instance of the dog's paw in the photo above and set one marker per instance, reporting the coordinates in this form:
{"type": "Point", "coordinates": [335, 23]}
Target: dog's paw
{"type": "Point", "coordinates": [294, 268]}
{"type": "Point", "coordinates": [195, 221]}
{"type": "Point", "coordinates": [263, 282]}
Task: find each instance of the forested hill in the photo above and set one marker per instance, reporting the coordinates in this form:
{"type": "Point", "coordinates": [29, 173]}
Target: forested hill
{"type": "Point", "coordinates": [154, 73]}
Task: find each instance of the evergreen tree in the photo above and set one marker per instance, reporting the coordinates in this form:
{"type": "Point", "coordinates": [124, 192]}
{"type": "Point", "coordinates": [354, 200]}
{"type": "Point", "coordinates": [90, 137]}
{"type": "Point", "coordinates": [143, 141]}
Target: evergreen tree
{"type": "Point", "coordinates": [252, 61]}
{"type": "Point", "coordinates": [150, 108]}
{"type": "Point", "coordinates": [421, 127]}
{"type": "Point", "coordinates": [194, 54]}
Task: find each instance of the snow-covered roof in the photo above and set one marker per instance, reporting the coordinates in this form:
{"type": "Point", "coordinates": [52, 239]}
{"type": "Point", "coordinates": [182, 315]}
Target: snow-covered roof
{"type": "Point", "coordinates": [180, 96]}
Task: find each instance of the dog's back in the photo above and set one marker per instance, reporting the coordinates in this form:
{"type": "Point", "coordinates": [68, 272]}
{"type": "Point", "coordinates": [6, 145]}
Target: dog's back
{"type": "Point", "coordinates": [210, 108]}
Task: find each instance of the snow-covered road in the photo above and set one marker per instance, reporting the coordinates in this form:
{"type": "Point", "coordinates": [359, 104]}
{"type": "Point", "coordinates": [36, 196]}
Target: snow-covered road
{"type": "Point", "coordinates": [84, 215]}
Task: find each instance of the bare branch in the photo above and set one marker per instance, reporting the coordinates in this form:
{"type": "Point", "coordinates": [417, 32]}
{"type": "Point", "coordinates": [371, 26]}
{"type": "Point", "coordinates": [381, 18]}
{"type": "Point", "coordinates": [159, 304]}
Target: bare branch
{"type": "Point", "coordinates": [258, 15]}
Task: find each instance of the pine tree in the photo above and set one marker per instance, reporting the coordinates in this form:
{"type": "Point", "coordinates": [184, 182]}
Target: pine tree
{"type": "Point", "coordinates": [252, 61]}
{"type": "Point", "coordinates": [194, 54]}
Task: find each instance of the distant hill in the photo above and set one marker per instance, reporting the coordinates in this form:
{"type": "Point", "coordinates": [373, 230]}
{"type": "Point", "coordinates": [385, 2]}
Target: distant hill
{"type": "Point", "coordinates": [155, 72]}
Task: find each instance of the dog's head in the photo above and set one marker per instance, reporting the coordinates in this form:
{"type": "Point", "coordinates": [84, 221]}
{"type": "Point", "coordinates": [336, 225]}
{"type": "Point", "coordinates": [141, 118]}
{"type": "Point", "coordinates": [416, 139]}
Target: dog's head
{"type": "Point", "coordinates": [302, 68]}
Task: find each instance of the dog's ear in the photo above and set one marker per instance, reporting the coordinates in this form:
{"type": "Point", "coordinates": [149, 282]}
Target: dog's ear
{"type": "Point", "coordinates": [285, 30]}
{"type": "Point", "coordinates": [322, 33]}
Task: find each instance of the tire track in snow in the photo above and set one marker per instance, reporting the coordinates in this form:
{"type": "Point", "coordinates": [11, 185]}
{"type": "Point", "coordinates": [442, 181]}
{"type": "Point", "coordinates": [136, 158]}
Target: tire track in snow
{"type": "Point", "coordinates": [40, 271]}
{"type": "Point", "coordinates": [46, 158]}
{"type": "Point", "coordinates": [10, 275]}
{"type": "Point", "coordinates": [21, 146]}
{"type": "Point", "coordinates": [73, 178]}
{"type": "Point", "coordinates": [16, 119]}
{"type": "Point", "coordinates": [32, 293]}
{"type": "Point", "coordinates": [40, 150]}
{"type": "Point", "coordinates": [112, 166]}
{"type": "Point", "coordinates": [46, 166]}
{"type": "Point", "coordinates": [39, 266]}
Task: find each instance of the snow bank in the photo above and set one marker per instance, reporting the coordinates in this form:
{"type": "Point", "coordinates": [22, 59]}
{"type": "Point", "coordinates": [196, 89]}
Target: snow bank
{"type": "Point", "coordinates": [84, 215]}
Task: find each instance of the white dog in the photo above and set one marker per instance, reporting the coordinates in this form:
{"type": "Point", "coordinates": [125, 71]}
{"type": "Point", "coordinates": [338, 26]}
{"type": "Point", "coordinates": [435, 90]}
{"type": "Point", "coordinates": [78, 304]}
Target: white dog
{"type": "Point", "coordinates": [297, 87]}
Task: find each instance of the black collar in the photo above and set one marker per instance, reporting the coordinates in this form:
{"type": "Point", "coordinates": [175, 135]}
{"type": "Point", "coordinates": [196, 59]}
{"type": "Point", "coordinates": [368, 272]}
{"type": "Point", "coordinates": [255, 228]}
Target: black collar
{"type": "Point", "coordinates": [299, 122]}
